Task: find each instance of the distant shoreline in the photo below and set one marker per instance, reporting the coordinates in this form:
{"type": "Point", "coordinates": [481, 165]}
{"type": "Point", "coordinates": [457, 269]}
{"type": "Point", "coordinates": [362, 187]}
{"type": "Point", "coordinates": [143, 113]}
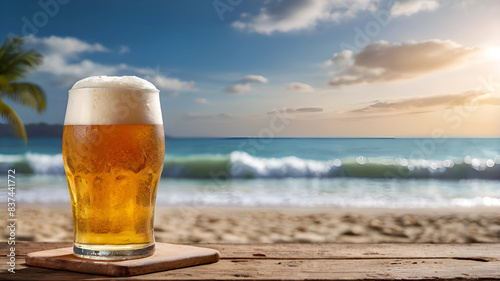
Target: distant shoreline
{"type": "Point", "coordinates": [36, 130]}
{"type": "Point", "coordinates": [44, 130]}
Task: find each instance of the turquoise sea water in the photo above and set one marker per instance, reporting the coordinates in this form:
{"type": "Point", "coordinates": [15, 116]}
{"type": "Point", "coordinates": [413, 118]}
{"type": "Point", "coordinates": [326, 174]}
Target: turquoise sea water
{"type": "Point", "coordinates": [462, 172]}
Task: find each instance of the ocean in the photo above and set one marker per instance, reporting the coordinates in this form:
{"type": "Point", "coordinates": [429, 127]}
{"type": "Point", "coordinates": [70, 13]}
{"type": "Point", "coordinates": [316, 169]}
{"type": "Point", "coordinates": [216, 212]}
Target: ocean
{"type": "Point", "coordinates": [292, 172]}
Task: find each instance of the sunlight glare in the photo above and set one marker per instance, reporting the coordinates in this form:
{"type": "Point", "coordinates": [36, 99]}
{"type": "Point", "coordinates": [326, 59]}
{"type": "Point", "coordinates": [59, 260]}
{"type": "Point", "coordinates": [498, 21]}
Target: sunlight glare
{"type": "Point", "coordinates": [493, 53]}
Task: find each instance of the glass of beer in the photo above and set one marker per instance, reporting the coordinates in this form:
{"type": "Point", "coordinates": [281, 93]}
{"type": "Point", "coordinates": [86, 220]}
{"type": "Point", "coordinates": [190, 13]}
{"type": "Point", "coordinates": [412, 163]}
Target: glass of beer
{"type": "Point", "coordinates": [113, 152]}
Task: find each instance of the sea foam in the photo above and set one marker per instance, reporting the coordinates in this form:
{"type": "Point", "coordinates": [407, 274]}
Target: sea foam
{"type": "Point", "coordinates": [239, 164]}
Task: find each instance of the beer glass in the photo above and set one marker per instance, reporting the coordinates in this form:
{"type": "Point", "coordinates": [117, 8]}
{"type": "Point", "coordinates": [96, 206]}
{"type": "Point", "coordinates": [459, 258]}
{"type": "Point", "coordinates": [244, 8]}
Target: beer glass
{"type": "Point", "coordinates": [113, 152]}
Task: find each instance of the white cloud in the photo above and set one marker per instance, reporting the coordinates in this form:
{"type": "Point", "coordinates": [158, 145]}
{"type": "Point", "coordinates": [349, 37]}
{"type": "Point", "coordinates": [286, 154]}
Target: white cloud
{"type": "Point", "coordinates": [245, 87]}
{"type": "Point", "coordinates": [299, 87]}
{"type": "Point", "coordinates": [254, 79]}
{"type": "Point", "coordinates": [410, 7]}
{"type": "Point", "coordinates": [67, 71]}
{"type": "Point", "coordinates": [61, 59]}
{"type": "Point", "coordinates": [64, 46]}
{"type": "Point", "coordinates": [339, 59]}
{"type": "Point", "coordinates": [296, 110]}
{"type": "Point", "coordinates": [383, 61]}
{"type": "Point", "coordinates": [204, 116]}
{"type": "Point", "coordinates": [124, 49]}
{"type": "Point", "coordinates": [238, 88]}
{"type": "Point", "coordinates": [293, 15]}
{"type": "Point", "coordinates": [423, 104]}
{"type": "Point", "coordinates": [202, 100]}
{"type": "Point", "coordinates": [173, 84]}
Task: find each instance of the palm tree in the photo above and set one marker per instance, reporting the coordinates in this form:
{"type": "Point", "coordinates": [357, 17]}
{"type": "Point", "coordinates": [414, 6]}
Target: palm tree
{"type": "Point", "coordinates": [15, 62]}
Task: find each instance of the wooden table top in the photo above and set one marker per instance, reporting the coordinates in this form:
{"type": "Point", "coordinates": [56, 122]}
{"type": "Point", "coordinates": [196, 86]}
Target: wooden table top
{"type": "Point", "coordinates": [301, 262]}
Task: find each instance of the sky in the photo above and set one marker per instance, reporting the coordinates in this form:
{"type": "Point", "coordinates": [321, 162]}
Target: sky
{"type": "Point", "coordinates": [295, 68]}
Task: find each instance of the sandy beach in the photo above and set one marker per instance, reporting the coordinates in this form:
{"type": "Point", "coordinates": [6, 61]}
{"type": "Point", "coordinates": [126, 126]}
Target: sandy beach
{"type": "Point", "coordinates": [256, 225]}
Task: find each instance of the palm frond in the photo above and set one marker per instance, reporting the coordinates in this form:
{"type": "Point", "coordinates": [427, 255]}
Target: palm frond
{"type": "Point", "coordinates": [4, 83]}
{"type": "Point", "coordinates": [15, 62]}
{"type": "Point", "coordinates": [27, 94]}
{"type": "Point", "coordinates": [10, 116]}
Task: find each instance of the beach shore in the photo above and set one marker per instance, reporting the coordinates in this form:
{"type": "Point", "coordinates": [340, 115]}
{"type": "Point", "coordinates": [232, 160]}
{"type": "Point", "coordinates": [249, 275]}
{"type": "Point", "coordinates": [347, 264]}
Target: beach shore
{"type": "Point", "coordinates": [256, 225]}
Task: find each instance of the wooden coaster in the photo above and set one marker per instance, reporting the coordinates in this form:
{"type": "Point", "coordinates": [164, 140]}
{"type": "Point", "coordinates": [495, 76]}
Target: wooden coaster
{"type": "Point", "coordinates": [166, 257]}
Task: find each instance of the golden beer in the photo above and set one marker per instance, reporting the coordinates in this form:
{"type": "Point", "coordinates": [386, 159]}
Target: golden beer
{"type": "Point", "coordinates": [113, 171]}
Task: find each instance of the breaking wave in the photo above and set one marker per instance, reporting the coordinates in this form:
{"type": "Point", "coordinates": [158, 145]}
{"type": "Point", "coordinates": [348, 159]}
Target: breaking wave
{"type": "Point", "coordinates": [239, 164]}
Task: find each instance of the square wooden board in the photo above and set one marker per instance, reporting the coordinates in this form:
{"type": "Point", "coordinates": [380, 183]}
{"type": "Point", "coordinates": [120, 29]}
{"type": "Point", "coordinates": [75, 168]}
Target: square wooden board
{"type": "Point", "coordinates": [166, 257]}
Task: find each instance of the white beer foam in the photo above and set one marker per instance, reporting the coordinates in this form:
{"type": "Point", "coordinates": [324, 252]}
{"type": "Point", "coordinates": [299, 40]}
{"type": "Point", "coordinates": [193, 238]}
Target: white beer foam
{"type": "Point", "coordinates": [113, 100]}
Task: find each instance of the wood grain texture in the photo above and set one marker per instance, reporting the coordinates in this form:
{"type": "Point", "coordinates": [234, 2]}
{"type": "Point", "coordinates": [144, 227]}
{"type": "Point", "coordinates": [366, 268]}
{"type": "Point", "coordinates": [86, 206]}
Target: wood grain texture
{"type": "Point", "coordinates": [318, 251]}
{"type": "Point", "coordinates": [166, 257]}
{"type": "Point", "coordinates": [357, 251]}
{"type": "Point", "coordinates": [305, 262]}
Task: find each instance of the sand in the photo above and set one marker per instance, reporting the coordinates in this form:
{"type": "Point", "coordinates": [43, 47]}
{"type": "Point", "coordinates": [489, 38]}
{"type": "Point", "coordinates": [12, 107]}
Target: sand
{"type": "Point", "coordinates": [239, 225]}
